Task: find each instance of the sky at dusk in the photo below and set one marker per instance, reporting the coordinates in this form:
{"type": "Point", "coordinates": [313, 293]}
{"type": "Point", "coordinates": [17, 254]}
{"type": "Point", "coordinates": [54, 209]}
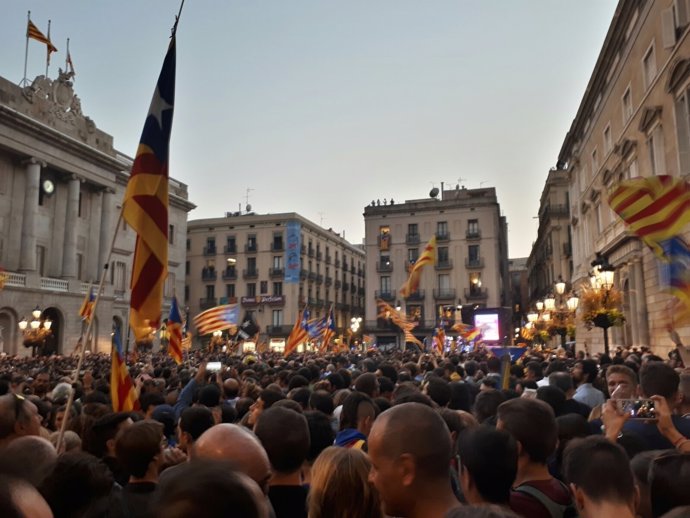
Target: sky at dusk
{"type": "Point", "coordinates": [320, 106]}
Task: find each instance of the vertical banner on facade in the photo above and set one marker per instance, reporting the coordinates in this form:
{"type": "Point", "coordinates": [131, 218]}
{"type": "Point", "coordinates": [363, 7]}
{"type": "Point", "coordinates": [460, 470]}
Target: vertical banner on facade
{"type": "Point", "coordinates": [293, 249]}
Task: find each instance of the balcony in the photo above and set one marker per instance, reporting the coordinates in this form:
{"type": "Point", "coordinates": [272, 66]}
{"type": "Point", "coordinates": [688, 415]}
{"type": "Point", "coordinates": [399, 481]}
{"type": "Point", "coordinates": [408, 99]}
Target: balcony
{"type": "Point", "coordinates": [276, 272]}
{"type": "Point", "coordinates": [477, 262]}
{"type": "Point", "coordinates": [251, 273]}
{"type": "Point", "coordinates": [277, 246]}
{"type": "Point", "coordinates": [337, 284]}
{"type": "Point", "coordinates": [329, 280]}
{"type": "Point", "coordinates": [207, 303]}
{"type": "Point", "coordinates": [444, 264]}
{"type": "Point", "coordinates": [328, 259]}
{"type": "Point", "coordinates": [210, 250]}
{"type": "Point", "coordinates": [419, 295]}
{"type": "Point", "coordinates": [384, 266]}
{"type": "Point", "coordinates": [384, 295]}
{"type": "Point", "coordinates": [476, 293]}
{"type": "Point", "coordinates": [310, 252]}
{"type": "Point", "coordinates": [319, 279]}
{"type": "Point", "coordinates": [279, 330]}
{"type": "Point", "coordinates": [473, 234]}
{"type": "Point", "coordinates": [320, 303]}
{"type": "Point", "coordinates": [412, 239]}
{"type": "Point", "coordinates": [251, 248]}
{"type": "Point", "coordinates": [229, 274]}
{"type": "Point", "coordinates": [442, 238]}
{"type": "Point", "coordinates": [344, 266]}
{"type": "Point", "coordinates": [230, 249]}
{"type": "Point", "coordinates": [353, 288]}
{"type": "Point", "coordinates": [337, 263]}
{"type": "Point", "coordinates": [311, 301]}
{"type": "Point", "coordinates": [209, 275]}
{"type": "Point", "coordinates": [360, 272]}
{"type": "Point", "coordinates": [303, 249]}
{"type": "Point", "coordinates": [319, 256]}
{"type": "Point", "coordinates": [346, 286]}
{"type": "Point", "coordinates": [303, 274]}
{"type": "Point", "coordinates": [444, 294]}
{"type": "Point", "coordinates": [361, 291]}
{"type": "Point", "coordinates": [311, 276]}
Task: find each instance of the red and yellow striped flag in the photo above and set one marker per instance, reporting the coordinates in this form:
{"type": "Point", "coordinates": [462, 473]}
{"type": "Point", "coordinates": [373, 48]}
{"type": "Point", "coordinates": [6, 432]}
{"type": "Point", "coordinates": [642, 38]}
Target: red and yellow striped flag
{"type": "Point", "coordinates": [299, 333]}
{"type": "Point", "coordinates": [33, 33]}
{"type": "Point", "coordinates": [440, 340]}
{"type": "Point", "coordinates": [175, 330]}
{"type": "Point", "coordinates": [428, 257]}
{"type": "Point", "coordinates": [145, 206]}
{"type": "Point", "coordinates": [654, 208]}
{"type": "Point", "coordinates": [123, 394]}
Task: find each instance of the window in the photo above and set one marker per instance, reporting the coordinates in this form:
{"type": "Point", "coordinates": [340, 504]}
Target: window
{"type": "Point", "coordinates": [230, 291]}
{"type": "Point", "coordinates": [473, 227]}
{"type": "Point", "coordinates": [278, 262]}
{"type": "Point", "coordinates": [595, 163]}
{"type": "Point", "coordinates": [600, 226]}
{"type": "Point", "coordinates": [473, 253]}
{"type": "Point", "coordinates": [41, 260]}
{"type": "Point", "coordinates": [211, 244]}
{"type": "Point", "coordinates": [442, 256]}
{"type": "Point", "coordinates": [189, 244]}
{"type": "Point", "coordinates": [251, 289]}
{"type": "Point", "coordinates": [230, 245]}
{"type": "Point", "coordinates": [264, 287]}
{"type": "Point", "coordinates": [251, 264]}
{"type": "Point", "coordinates": [210, 291]}
{"type": "Point", "coordinates": [444, 283]}
{"type": "Point", "coordinates": [186, 268]}
{"type": "Point", "coordinates": [442, 228]}
{"type": "Point", "coordinates": [80, 266]}
{"type": "Point", "coordinates": [683, 132]}
{"type": "Point", "coordinates": [475, 283]}
{"type": "Point", "coordinates": [171, 234]}
{"type": "Point", "coordinates": [608, 140]}
{"type": "Point", "coordinates": [385, 284]}
{"type": "Point", "coordinates": [169, 286]}
{"type": "Point", "coordinates": [277, 289]}
{"type": "Point", "coordinates": [412, 229]}
{"type": "Point", "coordinates": [186, 293]}
{"type": "Point", "coordinates": [412, 255]}
{"type": "Point", "coordinates": [251, 243]}
{"type": "Point", "coordinates": [80, 206]}
{"type": "Point", "coordinates": [385, 261]}
{"type": "Point", "coordinates": [655, 144]}
{"type": "Point", "coordinates": [278, 241]}
{"type": "Point", "coordinates": [277, 317]}
{"type": "Point", "coordinates": [627, 106]}
{"type": "Point", "coordinates": [119, 279]}
{"type": "Point", "coordinates": [649, 67]}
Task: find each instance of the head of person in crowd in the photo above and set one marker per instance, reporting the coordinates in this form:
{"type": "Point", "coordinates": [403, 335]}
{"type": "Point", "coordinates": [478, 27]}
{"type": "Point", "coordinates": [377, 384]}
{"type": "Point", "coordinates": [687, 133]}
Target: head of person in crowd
{"type": "Point", "coordinates": [488, 465]}
{"type": "Point", "coordinates": [79, 485]}
{"type": "Point", "coordinates": [598, 472]}
{"type": "Point", "coordinates": [584, 371]}
{"type": "Point", "coordinates": [553, 397]}
{"type": "Point", "coordinates": [41, 384]}
{"type": "Point", "coordinates": [339, 486]}
{"type": "Point", "coordinates": [659, 379]}
{"type": "Point", "coordinates": [210, 487]}
{"type": "Point", "coordinates": [300, 395]}
{"type": "Point", "coordinates": [460, 396]}
{"type": "Point", "coordinates": [238, 445]}
{"type": "Point", "coordinates": [533, 371]}
{"type": "Point", "coordinates": [438, 390]}
{"type": "Point", "coordinates": [149, 402]}
{"type": "Point", "coordinates": [139, 450]}
{"type": "Point", "coordinates": [640, 465]}
{"type": "Point", "coordinates": [71, 440]}
{"type": "Point", "coordinates": [386, 388]}
{"type": "Point", "coordinates": [562, 381]}
{"type": "Point", "coordinates": [266, 399]}
{"type": "Point", "coordinates": [284, 435]}
{"type": "Point", "coordinates": [481, 511]}
{"type": "Point", "coordinates": [322, 401]}
{"type": "Point", "coordinates": [18, 417]}
{"type": "Point", "coordinates": [669, 480]}
{"type": "Point", "coordinates": [367, 383]}
{"type": "Point", "coordinates": [20, 499]}
{"type": "Point", "coordinates": [356, 418]}
{"type": "Point", "coordinates": [410, 450]}
{"type": "Point", "coordinates": [231, 389]}
{"type": "Point", "coordinates": [486, 404]}
{"type": "Point", "coordinates": [193, 422]}
{"type": "Point", "coordinates": [621, 382]}
{"type": "Point", "coordinates": [165, 415]}
{"type": "Point", "coordinates": [29, 458]}
{"type": "Point", "coordinates": [321, 436]}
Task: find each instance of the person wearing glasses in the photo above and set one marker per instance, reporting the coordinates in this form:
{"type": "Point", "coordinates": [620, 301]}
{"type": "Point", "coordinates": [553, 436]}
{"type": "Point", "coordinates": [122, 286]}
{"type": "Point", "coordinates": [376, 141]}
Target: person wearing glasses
{"type": "Point", "coordinates": [18, 417]}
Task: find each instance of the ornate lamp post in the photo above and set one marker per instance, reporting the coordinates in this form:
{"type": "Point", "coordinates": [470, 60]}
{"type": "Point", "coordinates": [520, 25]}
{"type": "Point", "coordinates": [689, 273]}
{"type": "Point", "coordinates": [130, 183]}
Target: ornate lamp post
{"type": "Point", "coordinates": [602, 299]}
{"type": "Point", "coordinates": [35, 332]}
{"type": "Point", "coordinates": [561, 308]}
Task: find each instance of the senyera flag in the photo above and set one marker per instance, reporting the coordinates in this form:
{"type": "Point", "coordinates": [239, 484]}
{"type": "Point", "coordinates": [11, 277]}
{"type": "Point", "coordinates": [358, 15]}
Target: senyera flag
{"type": "Point", "coordinates": [123, 394]}
{"type": "Point", "coordinates": [145, 206]}
{"type": "Point", "coordinates": [217, 319]}
{"type": "Point", "coordinates": [428, 257]}
{"type": "Point", "coordinates": [175, 330]}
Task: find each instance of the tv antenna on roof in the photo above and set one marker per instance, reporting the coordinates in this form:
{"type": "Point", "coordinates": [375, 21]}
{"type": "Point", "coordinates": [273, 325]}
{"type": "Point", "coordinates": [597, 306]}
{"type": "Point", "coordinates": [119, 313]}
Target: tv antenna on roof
{"type": "Point", "coordinates": [247, 206]}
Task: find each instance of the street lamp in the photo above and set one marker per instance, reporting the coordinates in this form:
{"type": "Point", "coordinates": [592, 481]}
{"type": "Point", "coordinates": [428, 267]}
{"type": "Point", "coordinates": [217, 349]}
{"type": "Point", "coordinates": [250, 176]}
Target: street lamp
{"type": "Point", "coordinates": [355, 323]}
{"type": "Point", "coordinates": [602, 282]}
{"type": "Point", "coordinates": [35, 332]}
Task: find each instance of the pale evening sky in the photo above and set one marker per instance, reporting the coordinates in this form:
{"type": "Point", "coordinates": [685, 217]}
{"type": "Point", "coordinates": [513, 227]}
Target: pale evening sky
{"type": "Point", "coordinates": [321, 106]}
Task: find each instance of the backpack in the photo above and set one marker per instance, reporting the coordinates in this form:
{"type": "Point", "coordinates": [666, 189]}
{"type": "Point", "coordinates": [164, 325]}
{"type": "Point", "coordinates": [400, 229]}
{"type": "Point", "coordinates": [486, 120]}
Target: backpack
{"type": "Point", "coordinates": [555, 509]}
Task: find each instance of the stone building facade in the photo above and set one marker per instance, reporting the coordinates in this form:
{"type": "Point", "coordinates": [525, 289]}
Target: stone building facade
{"type": "Point", "coordinates": [61, 188]}
{"type": "Point", "coordinates": [634, 120]}
{"type": "Point", "coordinates": [273, 265]}
{"type": "Point", "coordinates": [471, 270]}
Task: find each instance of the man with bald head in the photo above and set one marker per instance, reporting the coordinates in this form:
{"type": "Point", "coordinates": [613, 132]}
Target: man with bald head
{"type": "Point", "coordinates": [18, 417]}
{"type": "Point", "coordinates": [238, 445]}
{"type": "Point", "coordinates": [30, 458]}
{"type": "Point", "coordinates": [231, 391]}
{"type": "Point", "coordinates": [410, 449]}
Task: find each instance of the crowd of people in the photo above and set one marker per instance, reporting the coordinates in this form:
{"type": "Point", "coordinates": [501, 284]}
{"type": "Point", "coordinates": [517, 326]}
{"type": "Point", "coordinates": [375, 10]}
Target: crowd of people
{"type": "Point", "coordinates": [358, 435]}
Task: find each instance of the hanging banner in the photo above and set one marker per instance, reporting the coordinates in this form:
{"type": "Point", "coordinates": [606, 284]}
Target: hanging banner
{"type": "Point", "coordinates": [293, 249]}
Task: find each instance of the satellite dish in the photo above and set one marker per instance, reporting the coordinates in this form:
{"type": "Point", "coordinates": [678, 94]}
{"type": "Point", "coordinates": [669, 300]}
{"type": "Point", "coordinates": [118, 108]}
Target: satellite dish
{"type": "Point", "coordinates": [434, 192]}
{"type": "Point", "coordinates": [248, 208]}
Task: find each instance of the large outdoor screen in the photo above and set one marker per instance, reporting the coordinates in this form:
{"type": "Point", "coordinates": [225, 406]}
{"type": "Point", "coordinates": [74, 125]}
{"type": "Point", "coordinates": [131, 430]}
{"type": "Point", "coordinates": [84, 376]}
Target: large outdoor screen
{"type": "Point", "coordinates": [488, 325]}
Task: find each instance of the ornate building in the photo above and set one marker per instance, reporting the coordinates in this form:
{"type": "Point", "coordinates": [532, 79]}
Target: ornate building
{"type": "Point", "coordinates": [471, 269]}
{"type": "Point", "coordinates": [273, 265]}
{"type": "Point", "coordinates": [61, 187]}
{"type": "Point", "coordinates": [634, 120]}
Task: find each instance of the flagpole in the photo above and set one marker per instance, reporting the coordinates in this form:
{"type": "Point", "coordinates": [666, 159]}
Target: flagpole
{"type": "Point", "coordinates": [67, 57]}
{"type": "Point", "coordinates": [48, 51]}
{"type": "Point", "coordinates": [70, 400]}
{"type": "Point", "coordinates": [26, 50]}
{"type": "Point", "coordinates": [177, 19]}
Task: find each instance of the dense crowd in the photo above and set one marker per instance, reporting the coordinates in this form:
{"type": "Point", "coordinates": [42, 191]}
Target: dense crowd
{"type": "Point", "coordinates": [397, 434]}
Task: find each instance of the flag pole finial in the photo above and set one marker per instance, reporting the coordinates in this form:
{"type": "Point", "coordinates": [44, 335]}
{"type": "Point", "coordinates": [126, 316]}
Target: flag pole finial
{"type": "Point", "coordinates": [177, 20]}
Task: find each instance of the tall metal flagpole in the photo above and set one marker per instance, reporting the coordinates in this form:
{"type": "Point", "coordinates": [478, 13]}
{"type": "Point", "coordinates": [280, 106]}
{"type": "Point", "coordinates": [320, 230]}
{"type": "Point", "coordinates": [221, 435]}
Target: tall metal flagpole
{"type": "Point", "coordinates": [67, 57]}
{"type": "Point", "coordinates": [24, 80]}
{"type": "Point", "coordinates": [75, 377]}
{"type": "Point", "coordinates": [48, 50]}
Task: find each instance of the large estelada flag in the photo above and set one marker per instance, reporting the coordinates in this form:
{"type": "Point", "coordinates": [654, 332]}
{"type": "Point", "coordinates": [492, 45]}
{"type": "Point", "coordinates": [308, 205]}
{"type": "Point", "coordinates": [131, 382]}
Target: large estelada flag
{"type": "Point", "coordinates": [299, 333]}
{"type": "Point", "coordinates": [175, 329]}
{"type": "Point", "coordinates": [328, 330]}
{"type": "Point", "coordinates": [219, 318]}
{"type": "Point", "coordinates": [655, 208]}
{"type": "Point", "coordinates": [145, 206]}
{"type": "Point", "coordinates": [123, 394]}
{"type": "Point", "coordinates": [86, 309]}
{"type": "Point", "coordinates": [428, 257]}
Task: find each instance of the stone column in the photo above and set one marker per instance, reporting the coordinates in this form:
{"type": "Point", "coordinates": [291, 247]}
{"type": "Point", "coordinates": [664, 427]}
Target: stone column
{"type": "Point", "coordinates": [69, 251]}
{"type": "Point", "coordinates": [27, 251]}
{"type": "Point", "coordinates": [106, 234]}
{"type": "Point", "coordinates": [641, 302]}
